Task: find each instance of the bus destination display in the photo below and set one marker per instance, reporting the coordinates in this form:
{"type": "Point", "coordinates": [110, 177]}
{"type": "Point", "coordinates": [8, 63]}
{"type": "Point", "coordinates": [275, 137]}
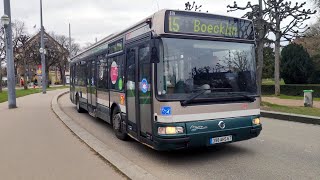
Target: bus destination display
{"type": "Point", "coordinates": [207, 24]}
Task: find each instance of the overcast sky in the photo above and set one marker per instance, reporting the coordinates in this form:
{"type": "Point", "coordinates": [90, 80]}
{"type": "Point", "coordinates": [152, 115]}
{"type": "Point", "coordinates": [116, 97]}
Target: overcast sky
{"type": "Point", "coordinates": [92, 19]}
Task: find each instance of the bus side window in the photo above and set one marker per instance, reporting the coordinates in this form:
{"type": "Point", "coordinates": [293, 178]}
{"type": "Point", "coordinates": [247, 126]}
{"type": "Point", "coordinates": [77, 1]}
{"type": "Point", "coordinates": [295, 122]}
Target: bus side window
{"type": "Point", "coordinates": [131, 70]}
{"type": "Point", "coordinates": [102, 73]}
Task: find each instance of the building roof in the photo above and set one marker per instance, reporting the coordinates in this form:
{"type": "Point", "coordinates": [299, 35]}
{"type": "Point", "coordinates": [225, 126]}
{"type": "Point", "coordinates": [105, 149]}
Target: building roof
{"type": "Point", "coordinates": [36, 37]}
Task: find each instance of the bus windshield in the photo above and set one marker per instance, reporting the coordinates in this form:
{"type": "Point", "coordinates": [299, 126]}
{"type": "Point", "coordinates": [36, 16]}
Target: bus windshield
{"type": "Point", "coordinates": [189, 66]}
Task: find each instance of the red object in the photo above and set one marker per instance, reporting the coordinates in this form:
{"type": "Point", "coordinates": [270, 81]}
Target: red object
{"type": "Point", "coordinates": [21, 82]}
{"type": "Point", "coordinates": [114, 72]}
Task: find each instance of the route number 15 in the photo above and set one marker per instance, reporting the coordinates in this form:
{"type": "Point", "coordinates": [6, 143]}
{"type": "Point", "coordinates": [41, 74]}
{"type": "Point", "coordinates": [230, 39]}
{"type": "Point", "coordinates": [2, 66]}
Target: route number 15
{"type": "Point", "coordinates": [174, 24]}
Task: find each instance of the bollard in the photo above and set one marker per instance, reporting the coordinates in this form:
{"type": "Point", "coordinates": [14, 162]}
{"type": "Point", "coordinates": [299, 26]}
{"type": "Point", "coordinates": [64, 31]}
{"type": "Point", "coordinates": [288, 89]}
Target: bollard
{"type": "Point", "coordinates": [308, 99]}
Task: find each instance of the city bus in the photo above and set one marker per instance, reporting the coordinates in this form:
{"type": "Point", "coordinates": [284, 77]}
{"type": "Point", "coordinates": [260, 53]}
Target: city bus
{"type": "Point", "coordinates": [175, 80]}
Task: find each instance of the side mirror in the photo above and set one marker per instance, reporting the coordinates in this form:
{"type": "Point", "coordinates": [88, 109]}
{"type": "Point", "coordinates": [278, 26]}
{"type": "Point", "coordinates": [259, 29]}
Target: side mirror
{"type": "Point", "coordinates": [154, 55]}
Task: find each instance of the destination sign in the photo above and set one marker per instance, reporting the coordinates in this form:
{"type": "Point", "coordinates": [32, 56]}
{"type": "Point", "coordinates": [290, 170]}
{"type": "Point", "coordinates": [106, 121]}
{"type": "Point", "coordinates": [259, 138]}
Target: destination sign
{"type": "Point", "coordinates": [208, 24]}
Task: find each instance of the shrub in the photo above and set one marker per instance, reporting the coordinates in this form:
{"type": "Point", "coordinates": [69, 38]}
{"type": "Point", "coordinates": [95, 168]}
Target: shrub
{"type": "Point", "coordinates": [296, 65]}
{"type": "Point", "coordinates": [292, 89]}
{"type": "Point", "coordinates": [268, 63]}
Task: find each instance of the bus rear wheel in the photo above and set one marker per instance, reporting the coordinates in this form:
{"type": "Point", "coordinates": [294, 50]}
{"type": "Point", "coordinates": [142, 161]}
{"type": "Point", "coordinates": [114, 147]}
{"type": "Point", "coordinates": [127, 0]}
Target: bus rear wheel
{"type": "Point", "coordinates": [79, 109]}
{"type": "Point", "coordinates": [117, 123]}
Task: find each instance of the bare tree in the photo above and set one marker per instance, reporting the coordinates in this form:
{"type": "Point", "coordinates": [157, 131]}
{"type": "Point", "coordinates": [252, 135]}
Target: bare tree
{"type": "Point", "coordinates": [275, 12]}
{"type": "Point", "coordinates": [64, 41]}
{"type": "Point", "coordinates": [261, 24]}
{"type": "Point", "coordinates": [21, 58]}
{"type": "Point", "coordinates": [314, 29]}
{"type": "Point", "coordinates": [310, 40]}
{"type": "Point", "coordinates": [2, 54]}
{"type": "Point", "coordinates": [281, 10]}
{"type": "Point", "coordinates": [316, 3]}
{"type": "Point", "coordinates": [192, 7]}
{"type": "Point", "coordinates": [19, 37]}
{"type": "Point", "coordinates": [240, 61]}
{"type": "Point", "coordinates": [55, 52]}
{"type": "Point", "coordinates": [86, 46]}
{"type": "Point", "coordinates": [74, 50]}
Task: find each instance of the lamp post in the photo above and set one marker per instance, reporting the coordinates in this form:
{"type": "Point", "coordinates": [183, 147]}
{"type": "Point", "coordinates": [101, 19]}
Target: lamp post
{"type": "Point", "coordinates": [6, 22]}
{"type": "Point", "coordinates": [42, 53]}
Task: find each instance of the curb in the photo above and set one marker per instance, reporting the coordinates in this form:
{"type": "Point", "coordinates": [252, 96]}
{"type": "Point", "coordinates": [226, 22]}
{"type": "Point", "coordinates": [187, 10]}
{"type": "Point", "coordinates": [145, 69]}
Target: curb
{"type": "Point", "coordinates": [291, 117]}
{"type": "Point", "coordinates": [123, 164]}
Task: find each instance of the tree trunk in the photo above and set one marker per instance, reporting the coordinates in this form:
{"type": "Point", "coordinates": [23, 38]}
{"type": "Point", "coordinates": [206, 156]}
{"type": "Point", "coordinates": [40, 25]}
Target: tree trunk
{"type": "Point", "coordinates": [25, 85]}
{"type": "Point", "coordinates": [277, 54]}
{"type": "Point", "coordinates": [277, 65]}
{"type": "Point", "coordinates": [29, 73]}
{"type": "Point", "coordinates": [260, 45]}
{"type": "Point", "coordinates": [47, 77]}
{"type": "Point", "coordinates": [62, 75]}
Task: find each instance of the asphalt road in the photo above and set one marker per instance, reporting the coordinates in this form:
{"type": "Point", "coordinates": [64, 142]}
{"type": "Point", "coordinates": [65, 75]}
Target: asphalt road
{"type": "Point", "coordinates": [284, 150]}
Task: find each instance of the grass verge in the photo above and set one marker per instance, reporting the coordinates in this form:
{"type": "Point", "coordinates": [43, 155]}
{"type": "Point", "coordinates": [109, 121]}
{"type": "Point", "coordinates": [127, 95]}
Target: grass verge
{"type": "Point", "coordinates": [290, 109]}
{"type": "Point", "coordinates": [22, 92]}
{"type": "Point", "coordinates": [282, 96]}
{"type": "Point", "coordinates": [271, 82]}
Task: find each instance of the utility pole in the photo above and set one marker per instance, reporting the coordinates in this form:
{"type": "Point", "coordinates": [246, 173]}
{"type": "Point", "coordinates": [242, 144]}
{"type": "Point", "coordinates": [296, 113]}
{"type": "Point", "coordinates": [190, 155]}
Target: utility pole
{"type": "Point", "coordinates": [42, 53]}
{"type": "Point", "coordinates": [70, 41]}
{"type": "Point", "coordinates": [9, 55]}
{"type": "Point", "coordinates": [69, 59]}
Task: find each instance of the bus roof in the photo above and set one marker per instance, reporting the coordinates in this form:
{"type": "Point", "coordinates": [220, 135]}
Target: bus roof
{"type": "Point", "coordinates": [158, 27]}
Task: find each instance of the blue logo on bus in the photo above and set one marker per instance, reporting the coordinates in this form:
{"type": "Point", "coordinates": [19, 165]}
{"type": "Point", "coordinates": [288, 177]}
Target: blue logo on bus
{"type": "Point", "coordinates": [144, 85]}
{"type": "Point", "coordinates": [166, 110]}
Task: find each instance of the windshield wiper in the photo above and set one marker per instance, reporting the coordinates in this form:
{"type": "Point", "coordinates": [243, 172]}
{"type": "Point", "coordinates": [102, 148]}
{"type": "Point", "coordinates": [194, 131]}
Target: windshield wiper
{"type": "Point", "coordinates": [250, 98]}
{"type": "Point", "coordinates": [187, 101]}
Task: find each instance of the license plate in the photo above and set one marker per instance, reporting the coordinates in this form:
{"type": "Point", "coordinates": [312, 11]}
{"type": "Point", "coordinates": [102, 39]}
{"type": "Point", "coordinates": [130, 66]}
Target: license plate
{"type": "Point", "coordinates": [221, 139]}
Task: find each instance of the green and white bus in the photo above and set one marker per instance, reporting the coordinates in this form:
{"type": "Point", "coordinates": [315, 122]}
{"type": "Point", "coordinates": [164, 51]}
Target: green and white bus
{"type": "Point", "coordinates": [175, 80]}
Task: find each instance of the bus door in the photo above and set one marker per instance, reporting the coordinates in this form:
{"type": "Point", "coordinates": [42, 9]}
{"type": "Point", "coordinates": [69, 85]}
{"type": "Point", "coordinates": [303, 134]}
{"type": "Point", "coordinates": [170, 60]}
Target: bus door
{"type": "Point", "coordinates": [138, 89]}
{"type": "Point", "coordinates": [92, 90]}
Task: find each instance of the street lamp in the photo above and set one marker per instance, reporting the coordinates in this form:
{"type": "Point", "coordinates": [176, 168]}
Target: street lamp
{"type": "Point", "coordinates": [6, 22]}
{"type": "Point", "coordinates": [42, 53]}
{"type": "Point", "coordinates": [41, 50]}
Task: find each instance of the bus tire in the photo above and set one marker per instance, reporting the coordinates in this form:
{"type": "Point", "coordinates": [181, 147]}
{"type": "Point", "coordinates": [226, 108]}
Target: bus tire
{"type": "Point", "coordinates": [79, 108]}
{"type": "Point", "coordinates": [116, 125]}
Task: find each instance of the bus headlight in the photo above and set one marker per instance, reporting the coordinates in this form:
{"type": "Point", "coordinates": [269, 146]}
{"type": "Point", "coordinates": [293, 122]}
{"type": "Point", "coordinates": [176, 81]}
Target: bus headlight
{"type": "Point", "coordinates": [170, 130]}
{"type": "Point", "coordinates": [256, 121]}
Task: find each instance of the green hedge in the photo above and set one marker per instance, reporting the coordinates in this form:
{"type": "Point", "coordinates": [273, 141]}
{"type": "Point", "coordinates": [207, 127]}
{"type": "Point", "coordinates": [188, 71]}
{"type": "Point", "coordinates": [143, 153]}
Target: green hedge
{"type": "Point", "coordinates": [292, 89]}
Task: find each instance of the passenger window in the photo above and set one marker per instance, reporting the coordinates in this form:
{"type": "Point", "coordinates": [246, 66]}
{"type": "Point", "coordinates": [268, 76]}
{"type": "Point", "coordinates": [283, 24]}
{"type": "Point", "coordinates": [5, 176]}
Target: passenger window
{"type": "Point", "coordinates": [144, 68]}
{"type": "Point", "coordinates": [131, 71]}
{"type": "Point", "coordinates": [102, 73]}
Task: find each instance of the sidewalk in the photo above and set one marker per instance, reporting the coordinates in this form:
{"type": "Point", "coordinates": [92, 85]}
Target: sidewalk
{"type": "Point", "coordinates": [288, 102]}
{"type": "Point", "coordinates": [35, 144]}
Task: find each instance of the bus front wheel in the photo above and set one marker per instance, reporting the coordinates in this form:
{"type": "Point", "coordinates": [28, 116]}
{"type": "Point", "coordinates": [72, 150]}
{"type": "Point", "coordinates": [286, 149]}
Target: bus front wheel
{"type": "Point", "coordinates": [117, 123]}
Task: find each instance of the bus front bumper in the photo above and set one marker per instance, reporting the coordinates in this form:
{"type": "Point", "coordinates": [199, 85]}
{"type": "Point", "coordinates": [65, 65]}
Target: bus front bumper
{"type": "Point", "coordinates": [202, 139]}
